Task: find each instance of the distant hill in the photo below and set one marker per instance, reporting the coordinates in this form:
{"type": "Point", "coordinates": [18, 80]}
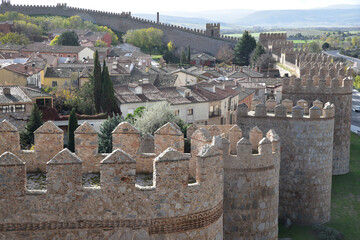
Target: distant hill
{"type": "Point", "coordinates": [342, 6]}
{"type": "Point", "coordinates": [222, 15]}
{"type": "Point", "coordinates": [303, 18]}
{"type": "Point", "coordinates": [190, 22]}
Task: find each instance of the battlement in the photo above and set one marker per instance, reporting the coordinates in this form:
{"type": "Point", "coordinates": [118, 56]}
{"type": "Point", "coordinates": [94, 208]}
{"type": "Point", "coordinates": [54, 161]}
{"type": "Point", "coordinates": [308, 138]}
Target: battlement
{"type": "Point", "coordinates": [118, 202]}
{"type": "Point", "coordinates": [318, 86]}
{"type": "Point", "coordinates": [49, 140]}
{"type": "Point", "coordinates": [64, 10]}
{"type": "Point", "coordinates": [213, 25]}
{"type": "Point", "coordinates": [170, 205]}
{"type": "Point", "coordinates": [287, 110]}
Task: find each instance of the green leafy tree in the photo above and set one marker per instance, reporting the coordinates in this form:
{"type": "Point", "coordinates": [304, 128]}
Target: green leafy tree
{"type": "Point", "coordinates": [14, 38]}
{"type": "Point", "coordinates": [243, 49]}
{"type": "Point", "coordinates": [97, 82]}
{"type": "Point", "coordinates": [357, 82]}
{"type": "Point", "coordinates": [72, 126]}
{"type": "Point", "coordinates": [144, 38]}
{"type": "Point", "coordinates": [130, 118]}
{"type": "Point", "coordinates": [156, 116]}
{"type": "Point", "coordinates": [69, 38]}
{"type": "Point", "coordinates": [325, 46]}
{"type": "Point", "coordinates": [35, 121]}
{"type": "Point", "coordinates": [314, 47]}
{"type": "Point", "coordinates": [108, 97]}
{"type": "Point", "coordinates": [31, 30]}
{"type": "Point", "coordinates": [105, 136]}
{"type": "Point", "coordinates": [259, 50]}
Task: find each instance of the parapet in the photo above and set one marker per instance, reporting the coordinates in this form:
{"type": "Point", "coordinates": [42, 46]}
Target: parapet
{"type": "Point", "coordinates": [318, 86]}
{"type": "Point", "coordinates": [287, 110]}
{"type": "Point", "coordinates": [49, 140]}
{"type": "Point", "coordinates": [119, 201]}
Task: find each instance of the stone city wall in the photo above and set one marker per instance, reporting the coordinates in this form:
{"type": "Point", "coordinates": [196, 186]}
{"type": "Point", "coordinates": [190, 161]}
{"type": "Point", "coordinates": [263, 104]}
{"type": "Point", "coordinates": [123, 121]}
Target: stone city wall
{"type": "Point", "coordinates": [306, 155]}
{"type": "Point", "coordinates": [49, 140]}
{"type": "Point", "coordinates": [171, 208]}
{"type": "Point", "coordinates": [337, 91]}
{"type": "Point", "coordinates": [120, 209]}
{"type": "Point", "coordinates": [182, 37]}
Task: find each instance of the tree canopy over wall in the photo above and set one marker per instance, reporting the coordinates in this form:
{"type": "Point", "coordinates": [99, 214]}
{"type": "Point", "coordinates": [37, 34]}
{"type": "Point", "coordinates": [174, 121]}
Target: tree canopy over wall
{"type": "Point", "coordinates": [35, 27]}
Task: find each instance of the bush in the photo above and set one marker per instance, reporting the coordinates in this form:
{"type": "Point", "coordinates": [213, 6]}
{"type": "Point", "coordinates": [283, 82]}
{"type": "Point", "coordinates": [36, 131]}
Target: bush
{"type": "Point", "coordinates": [327, 233]}
{"type": "Point", "coordinates": [152, 118]}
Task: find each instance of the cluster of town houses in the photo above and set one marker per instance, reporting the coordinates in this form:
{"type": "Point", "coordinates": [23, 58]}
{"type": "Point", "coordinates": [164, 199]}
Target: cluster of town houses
{"type": "Point", "coordinates": [200, 93]}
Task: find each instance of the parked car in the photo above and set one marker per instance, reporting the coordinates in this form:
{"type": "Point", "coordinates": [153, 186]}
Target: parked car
{"type": "Point", "coordinates": [357, 109]}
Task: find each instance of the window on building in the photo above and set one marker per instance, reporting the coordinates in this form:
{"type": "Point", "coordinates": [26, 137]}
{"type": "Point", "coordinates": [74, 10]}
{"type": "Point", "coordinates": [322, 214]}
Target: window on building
{"type": "Point", "coordinates": [177, 112]}
{"type": "Point", "coordinates": [19, 108]}
{"type": "Point", "coordinates": [69, 55]}
{"type": "Point", "coordinates": [190, 111]}
{"type": "Point", "coordinates": [54, 83]}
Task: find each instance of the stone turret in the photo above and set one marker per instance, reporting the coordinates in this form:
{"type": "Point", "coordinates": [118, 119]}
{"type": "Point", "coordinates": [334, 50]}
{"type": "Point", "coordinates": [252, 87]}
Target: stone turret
{"type": "Point", "coordinates": [251, 187]}
{"type": "Point", "coordinates": [340, 94]}
{"type": "Point", "coordinates": [306, 156]}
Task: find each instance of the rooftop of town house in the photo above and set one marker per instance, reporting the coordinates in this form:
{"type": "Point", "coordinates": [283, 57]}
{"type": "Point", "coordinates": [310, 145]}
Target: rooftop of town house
{"type": "Point", "coordinates": [17, 95]}
{"type": "Point", "coordinates": [217, 92]}
{"type": "Point", "coordinates": [22, 69]}
{"type": "Point", "coordinates": [134, 93]}
{"type": "Point", "coordinates": [34, 93]}
{"type": "Point", "coordinates": [181, 70]}
{"type": "Point", "coordinates": [11, 47]}
{"type": "Point", "coordinates": [61, 72]}
{"type": "Point", "coordinates": [177, 95]}
{"type": "Point", "coordinates": [10, 55]}
{"type": "Point", "coordinates": [202, 57]}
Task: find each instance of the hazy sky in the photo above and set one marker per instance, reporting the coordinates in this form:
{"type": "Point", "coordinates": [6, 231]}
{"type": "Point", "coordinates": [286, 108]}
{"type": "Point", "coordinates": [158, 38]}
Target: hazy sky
{"type": "Point", "coordinates": [152, 6]}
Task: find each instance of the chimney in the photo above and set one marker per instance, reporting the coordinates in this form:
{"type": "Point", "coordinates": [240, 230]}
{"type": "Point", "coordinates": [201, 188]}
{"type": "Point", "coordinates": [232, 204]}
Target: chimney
{"type": "Point", "coordinates": [6, 91]}
{"type": "Point", "coordinates": [157, 17]}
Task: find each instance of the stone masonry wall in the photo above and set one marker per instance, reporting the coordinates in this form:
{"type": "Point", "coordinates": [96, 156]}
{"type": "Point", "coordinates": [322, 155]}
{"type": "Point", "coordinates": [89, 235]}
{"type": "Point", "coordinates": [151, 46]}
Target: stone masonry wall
{"type": "Point", "coordinates": [338, 93]}
{"type": "Point", "coordinates": [119, 209]}
{"type": "Point", "coordinates": [251, 190]}
{"type": "Point", "coordinates": [49, 141]}
{"type": "Point", "coordinates": [306, 157]}
{"type": "Point", "coordinates": [122, 22]}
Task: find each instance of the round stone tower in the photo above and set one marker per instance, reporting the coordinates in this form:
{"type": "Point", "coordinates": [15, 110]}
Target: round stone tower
{"type": "Point", "coordinates": [337, 91]}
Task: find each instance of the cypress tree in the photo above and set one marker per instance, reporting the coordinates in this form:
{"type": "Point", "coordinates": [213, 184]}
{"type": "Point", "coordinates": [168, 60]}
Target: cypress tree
{"type": "Point", "coordinates": [189, 55]}
{"type": "Point", "coordinates": [97, 82]}
{"type": "Point", "coordinates": [108, 98]}
{"type": "Point", "coordinates": [105, 136]}
{"type": "Point", "coordinates": [72, 125]}
{"type": "Point", "coordinates": [183, 57]}
{"type": "Point", "coordinates": [243, 49]}
{"type": "Point", "coordinates": [35, 121]}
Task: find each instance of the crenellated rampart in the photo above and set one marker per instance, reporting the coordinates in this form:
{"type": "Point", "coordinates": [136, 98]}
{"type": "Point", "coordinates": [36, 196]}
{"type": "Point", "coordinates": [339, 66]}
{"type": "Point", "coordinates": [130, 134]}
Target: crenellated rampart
{"type": "Point", "coordinates": [337, 90]}
{"type": "Point", "coordinates": [122, 208]}
{"type": "Point", "coordinates": [181, 36]}
{"type": "Point", "coordinates": [306, 154]}
{"type": "Point", "coordinates": [119, 209]}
